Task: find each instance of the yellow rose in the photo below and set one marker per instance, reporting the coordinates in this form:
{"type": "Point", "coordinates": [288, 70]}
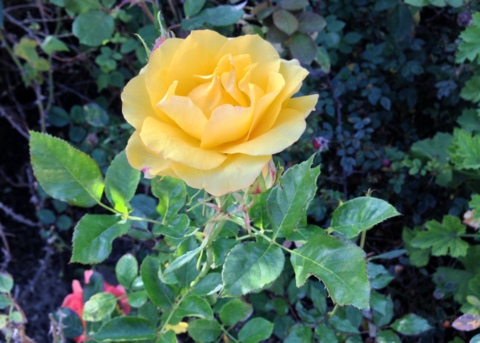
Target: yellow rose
{"type": "Point", "coordinates": [212, 110]}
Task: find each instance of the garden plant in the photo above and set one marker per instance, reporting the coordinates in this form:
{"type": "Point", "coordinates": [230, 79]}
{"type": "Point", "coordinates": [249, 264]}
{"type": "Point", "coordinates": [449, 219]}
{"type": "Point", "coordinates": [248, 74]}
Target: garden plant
{"type": "Point", "coordinates": [240, 171]}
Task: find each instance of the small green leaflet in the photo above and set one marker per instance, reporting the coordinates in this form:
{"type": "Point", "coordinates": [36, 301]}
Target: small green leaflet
{"type": "Point", "coordinates": [288, 202]}
{"type": "Point", "coordinates": [361, 214]}
{"type": "Point", "coordinates": [341, 266]}
{"type": "Point", "coordinates": [251, 266]}
{"type": "Point", "coordinates": [411, 324]}
{"type": "Point", "coordinates": [469, 49]}
{"type": "Point", "coordinates": [125, 329]}
{"type": "Point", "coordinates": [443, 237]}
{"type": "Point", "coordinates": [121, 181]}
{"type": "Point", "coordinates": [93, 236]}
{"type": "Point", "coordinates": [64, 172]}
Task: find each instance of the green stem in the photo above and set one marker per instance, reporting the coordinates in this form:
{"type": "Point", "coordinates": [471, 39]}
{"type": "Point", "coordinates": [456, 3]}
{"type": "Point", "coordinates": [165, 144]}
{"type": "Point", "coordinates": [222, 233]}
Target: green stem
{"type": "Point", "coordinates": [144, 220]}
{"type": "Point", "coordinates": [177, 304]}
{"type": "Point", "coordinates": [362, 239]}
{"type": "Point", "coordinates": [332, 312]}
{"type": "Point", "coordinates": [474, 235]}
{"type": "Point", "coordinates": [225, 331]}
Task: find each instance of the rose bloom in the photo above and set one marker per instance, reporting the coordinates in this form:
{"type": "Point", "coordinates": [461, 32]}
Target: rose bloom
{"type": "Point", "coordinates": [212, 110]}
{"type": "Point", "coordinates": [74, 300]}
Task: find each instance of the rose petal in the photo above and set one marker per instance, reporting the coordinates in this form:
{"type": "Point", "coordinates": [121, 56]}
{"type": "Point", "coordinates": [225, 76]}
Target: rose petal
{"type": "Point", "coordinates": [262, 117]}
{"type": "Point", "coordinates": [197, 55]}
{"type": "Point", "coordinates": [236, 173]}
{"type": "Point", "coordinates": [287, 130]}
{"type": "Point", "coordinates": [303, 104]}
{"type": "Point", "coordinates": [137, 103]}
{"type": "Point", "coordinates": [157, 69]}
{"type": "Point", "coordinates": [264, 57]}
{"type": "Point", "coordinates": [209, 96]}
{"type": "Point", "coordinates": [185, 114]}
{"type": "Point", "coordinates": [142, 158]}
{"type": "Point", "coordinates": [227, 123]}
{"type": "Point", "coordinates": [174, 144]}
{"type": "Point", "coordinates": [293, 76]}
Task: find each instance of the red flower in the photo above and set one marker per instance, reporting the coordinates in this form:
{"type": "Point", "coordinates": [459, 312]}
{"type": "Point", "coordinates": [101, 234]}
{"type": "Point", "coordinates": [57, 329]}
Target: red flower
{"type": "Point", "coordinates": [74, 301]}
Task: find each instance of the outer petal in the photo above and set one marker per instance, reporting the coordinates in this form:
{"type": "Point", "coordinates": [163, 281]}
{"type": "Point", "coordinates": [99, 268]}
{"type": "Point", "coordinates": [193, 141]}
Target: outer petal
{"type": "Point", "coordinates": [287, 130]}
{"type": "Point", "coordinates": [293, 76]}
{"type": "Point", "coordinates": [227, 123]}
{"type": "Point", "coordinates": [157, 69]}
{"type": "Point", "coordinates": [303, 104]}
{"type": "Point", "coordinates": [174, 144]}
{"type": "Point", "coordinates": [238, 172]}
{"type": "Point", "coordinates": [185, 114]}
{"type": "Point", "coordinates": [136, 102]}
{"type": "Point", "coordinates": [197, 55]}
{"type": "Point", "coordinates": [142, 158]}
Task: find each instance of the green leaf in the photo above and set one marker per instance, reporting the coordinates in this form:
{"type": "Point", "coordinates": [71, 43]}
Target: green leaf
{"type": "Point", "coordinates": [325, 333]}
{"type": "Point", "coordinates": [288, 202]}
{"type": "Point", "coordinates": [221, 15]}
{"type": "Point", "coordinates": [417, 3]}
{"type": "Point", "coordinates": [185, 258]}
{"type": "Point", "coordinates": [465, 150]}
{"type": "Point", "coordinates": [293, 5]}
{"type": "Point", "coordinates": [159, 293]}
{"type": "Point", "coordinates": [99, 307]}
{"type": "Point", "coordinates": [204, 330]}
{"type": "Point", "coordinates": [323, 59]}
{"type": "Point", "coordinates": [123, 329]}
{"type": "Point", "coordinates": [121, 182]}
{"type": "Point", "coordinates": [341, 266]}
{"type": "Point", "coordinates": [433, 148]}
{"type": "Point", "coordinates": [285, 21]}
{"type": "Point", "coordinates": [299, 333]}
{"type": "Point", "coordinates": [234, 312]}
{"type": "Point", "coordinates": [93, 236]}
{"type": "Point", "coordinates": [443, 238]}
{"type": "Point", "coordinates": [255, 330]}
{"type": "Point", "coordinates": [471, 91]}
{"type": "Point", "coordinates": [251, 266]}
{"type": "Point", "coordinates": [418, 257]}
{"type": "Point", "coordinates": [400, 21]}
{"type": "Point", "coordinates": [302, 47]}
{"type": "Point", "coordinates": [26, 49]}
{"type": "Point", "coordinates": [310, 22]}
{"type": "Point", "coordinates": [378, 275]}
{"type": "Point", "coordinates": [95, 115]}
{"type": "Point", "coordinates": [72, 324]}
{"type": "Point", "coordinates": [126, 270]}
{"type": "Point", "coordinates": [382, 308]}
{"type": "Point", "coordinates": [52, 44]}
{"type": "Point", "coordinates": [172, 194]}
{"type": "Point", "coordinates": [411, 324]}
{"type": "Point", "coordinates": [387, 336]}
{"type": "Point", "coordinates": [192, 306]}
{"type": "Point", "coordinates": [64, 172]}
{"type": "Point", "coordinates": [209, 284]}
{"type": "Point", "coordinates": [80, 6]}
{"type": "Point", "coordinates": [6, 283]}
{"type": "Point", "coordinates": [93, 27]}
{"type": "Point", "coordinates": [382, 5]}
{"type": "Point", "coordinates": [167, 337]}
{"type": "Point", "coordinates": [192, 7]}
{"type": "Point", "coordinates": [361, 214]}
{"type": "Point", "coordinates": [58, 117]}
{"type": "Point", "coordinates": [469, 48]}
{"type": "Point", "coordinates": [177, 227]}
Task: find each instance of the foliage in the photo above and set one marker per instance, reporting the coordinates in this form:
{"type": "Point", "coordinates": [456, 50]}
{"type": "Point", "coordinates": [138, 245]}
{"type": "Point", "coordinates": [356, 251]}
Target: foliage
{"type": "Point", "coordinates": [397, 118]}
